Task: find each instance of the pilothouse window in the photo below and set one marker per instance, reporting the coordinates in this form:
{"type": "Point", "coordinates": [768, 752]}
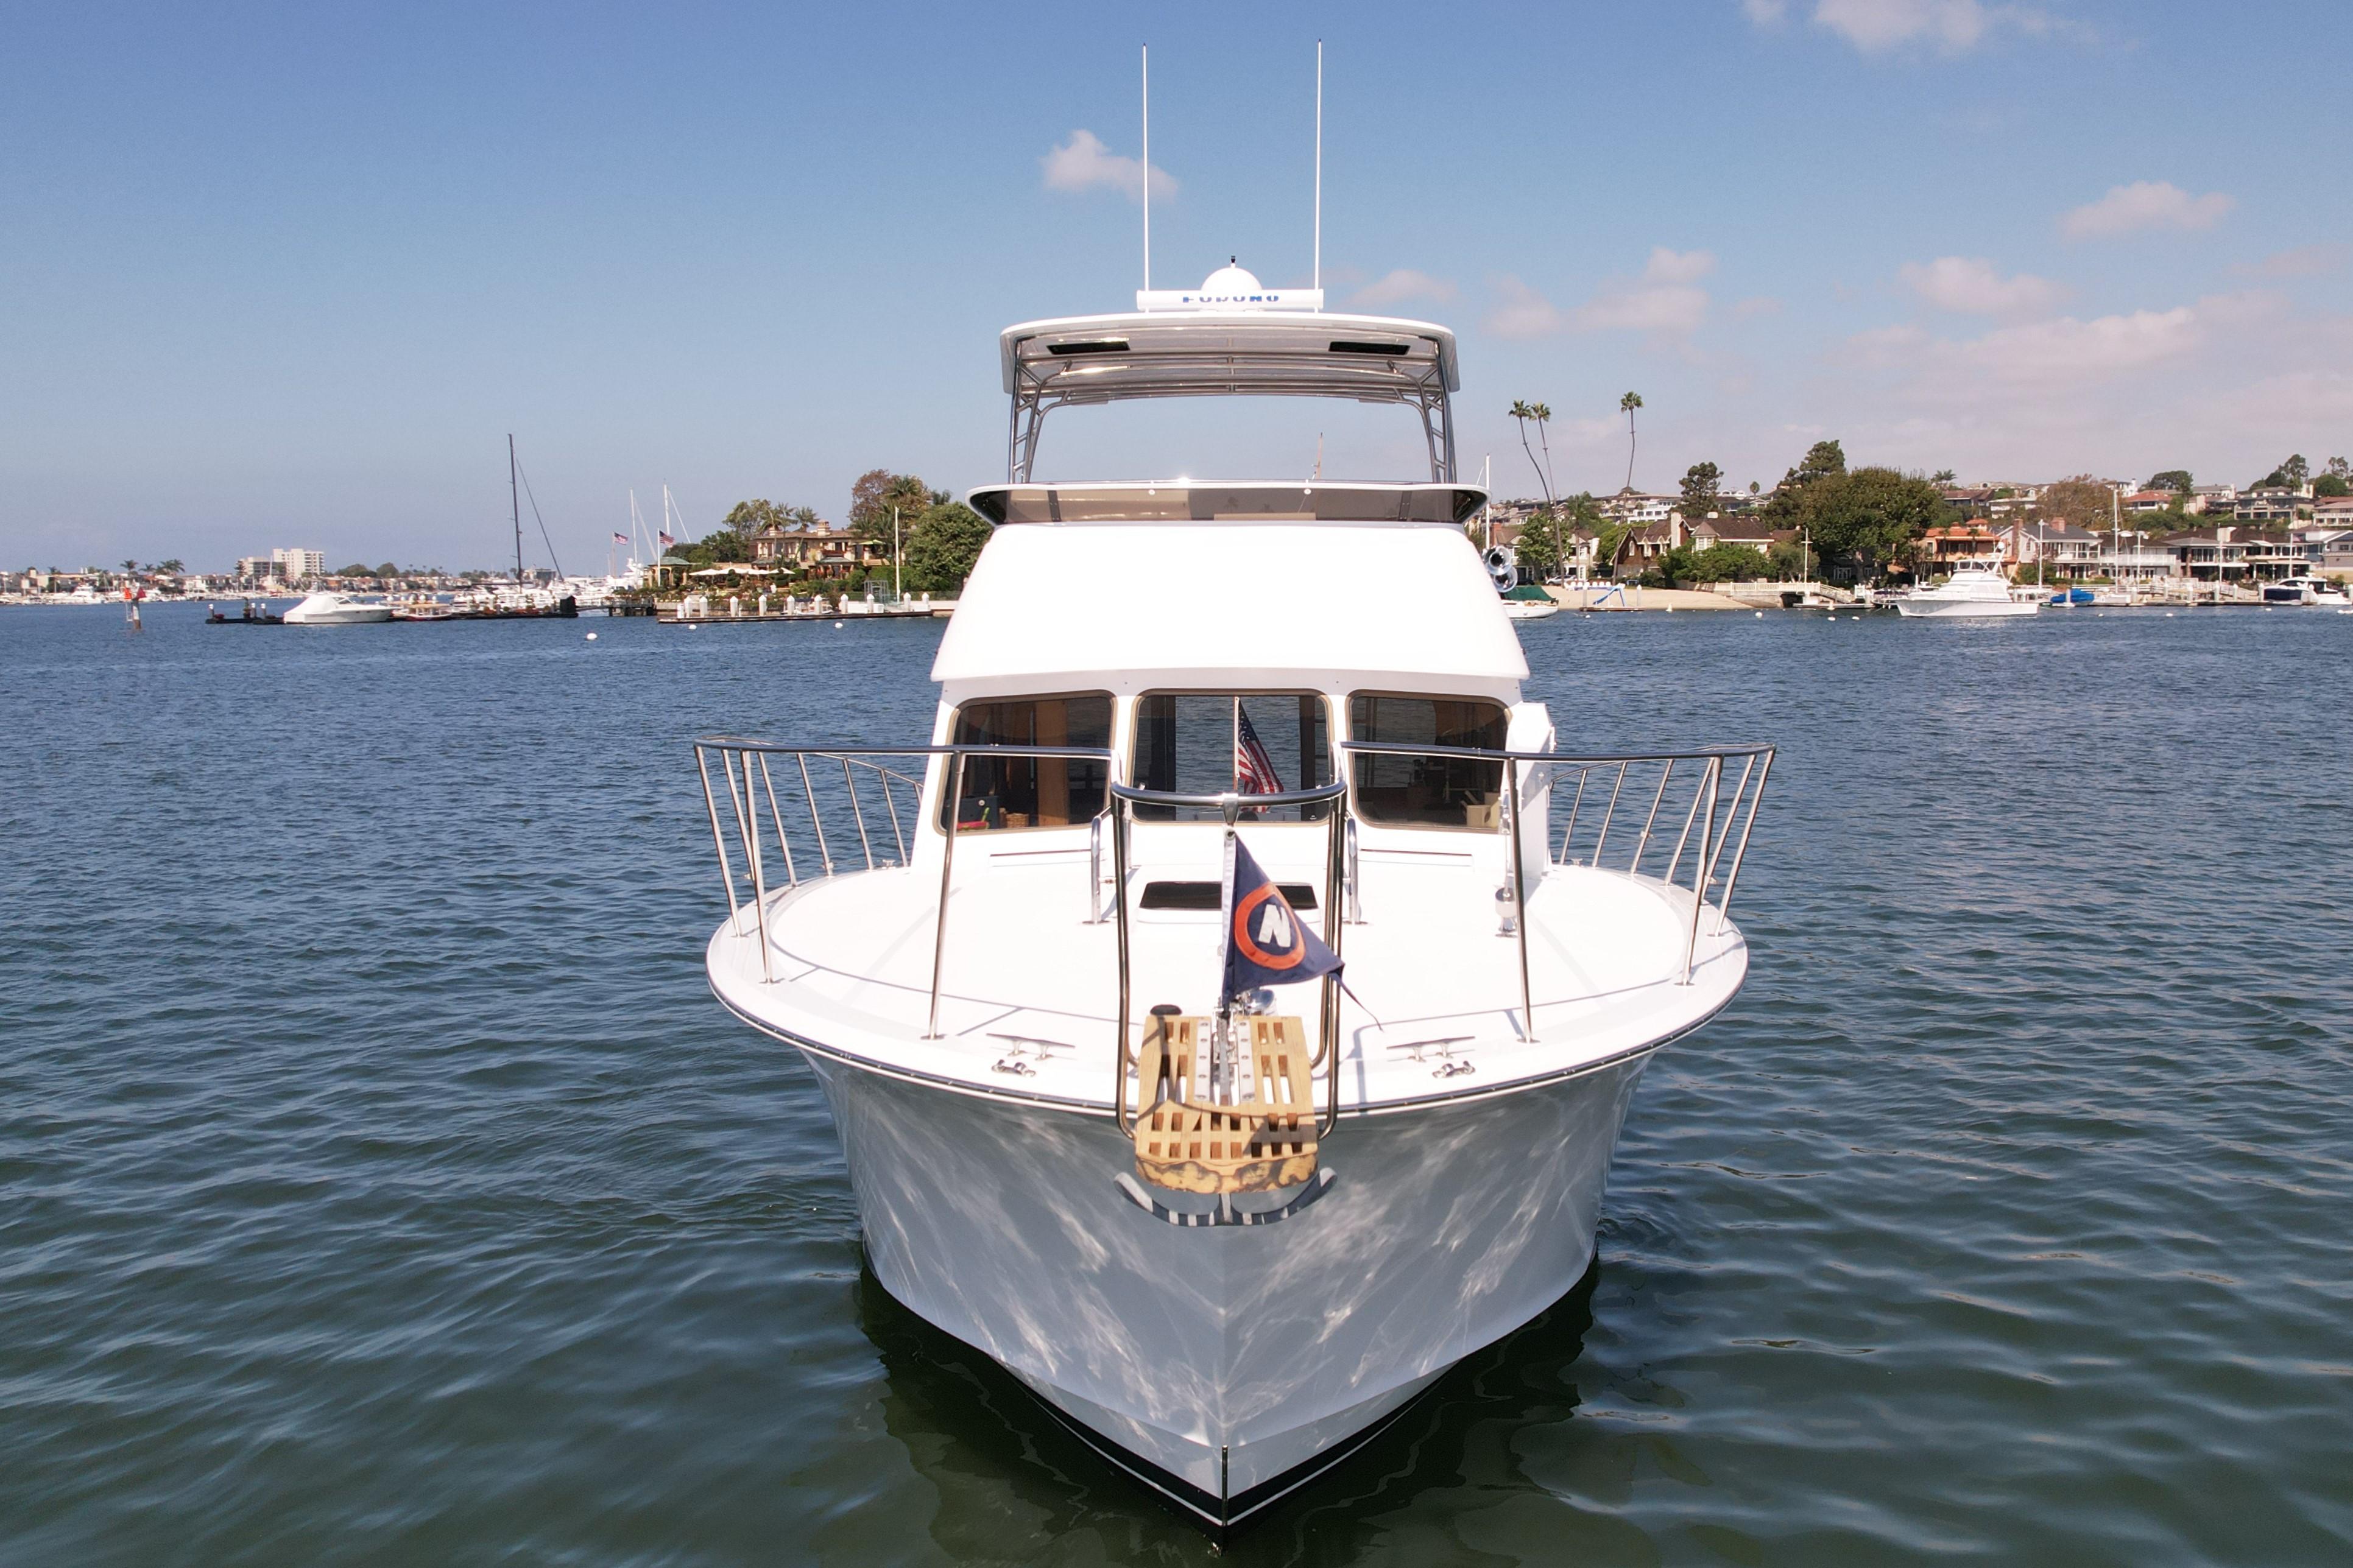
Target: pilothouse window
{"type": "Point", "coordinates": [1428, 792]}
{"type": "Point", "coordinates": [1252, 742]}
{"type": "Point", "coordinates": [1031, 792]}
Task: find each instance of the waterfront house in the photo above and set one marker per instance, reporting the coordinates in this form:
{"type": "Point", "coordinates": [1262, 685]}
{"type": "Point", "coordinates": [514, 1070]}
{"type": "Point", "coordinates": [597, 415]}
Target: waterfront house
{"type": "Point", "coordinates": [824, 551]}
{"type": "Point", "coordinates": [1748, 531]}
{"type": "Point", "coordinates": [2274, 554]}
{"type": "Point", "coordinates": [1642, 548]}
{"type": "Point", "coordinates": [2328, 546]}
{"type": "Point", "coordinates": [2064, 552]}
{"type": "Point", "coordinates": [1634, 506]}
{"type": "Point", "coordinates": [2208, 553]}
{"type": "Point", "coordinates": [2271, 503]}
{"type": "Point", "coordinates": [1973, 546]}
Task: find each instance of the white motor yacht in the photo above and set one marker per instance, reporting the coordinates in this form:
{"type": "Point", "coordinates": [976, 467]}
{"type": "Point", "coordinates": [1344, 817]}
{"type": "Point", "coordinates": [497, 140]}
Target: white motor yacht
{"type": "Point", "coordinates": [327, 608]}
{"type": "Point", "coordinates": [2306, 589]}
{"type": "Point", "coordinates": [1226, 1234]}
{"type": "Point", "coordinates": [1970, 594]}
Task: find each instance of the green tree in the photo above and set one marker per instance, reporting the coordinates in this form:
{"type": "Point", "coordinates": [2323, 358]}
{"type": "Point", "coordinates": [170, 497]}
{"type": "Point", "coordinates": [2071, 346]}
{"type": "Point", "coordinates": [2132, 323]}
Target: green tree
{"type": "Point", "coordinates": [941, 548]}
{"type": "Point", "coordinates": [2338, 469]}
{"type": "Point", "coordinates": [1869, 515]}
{"type": "Point", "coordinates": [1941, 477]}
{"type": "Point", "coordinates": [1716, 564]}
{"type": "Point", "coordinates": [1538, 547]}
{"type": "Point", "coordinates": [362, 569]}
{"type": "Point", "coordinates": [1702, 487]}
{"type": "Point", "coordinates": [2178, 480]}
{"type": "Point", "coordinates": [1785, 561]}
{"type": "Point", "coordinates": [1626, 405]}
{"type": "Point", "coordinates": [175, 566]}
{"type": "Point", "coordinates": [2291, 473]}
{"type": "Point", "coordinates": [1523, 412]}
{"type": "Point", "coordinates": [2083, 500]}
{"type": "Point", "coordinates": [2332, 485]}
{"type": "Point", "coordinates": [1786, 507]}
{"type": "Point", "coordinates": [747, 517]}
{"type": "Point", "coordinates": [876, 492]}
{"type": "Point", "coordinates": [387, 570]}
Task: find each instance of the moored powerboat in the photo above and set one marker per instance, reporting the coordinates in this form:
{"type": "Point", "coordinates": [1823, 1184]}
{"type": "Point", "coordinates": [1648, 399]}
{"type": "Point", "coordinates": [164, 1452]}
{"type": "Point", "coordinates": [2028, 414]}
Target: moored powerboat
{"type": "Point", "coordinates": [2306, 589]}
{"type": "Point", "coordinates": [1970, 594]}
{"type": "Point", "coordinates": [1529, 603]}
{"type": "Point", "coordinates": [328, 608]}
{"type": "Point", "coordinates": [1226, 1237]}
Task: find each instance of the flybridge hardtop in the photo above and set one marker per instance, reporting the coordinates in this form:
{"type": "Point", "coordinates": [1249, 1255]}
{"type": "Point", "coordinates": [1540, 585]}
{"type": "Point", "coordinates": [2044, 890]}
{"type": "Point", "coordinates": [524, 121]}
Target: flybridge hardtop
{"type": "Point", "coordinates": [1231, 338]}
{"type": "Point", "coordinates": [1227, 501]}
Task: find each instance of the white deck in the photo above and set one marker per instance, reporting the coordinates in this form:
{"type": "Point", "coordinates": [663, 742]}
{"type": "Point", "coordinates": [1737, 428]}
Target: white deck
{"type": "Point", "coordinates": [1029, 983]}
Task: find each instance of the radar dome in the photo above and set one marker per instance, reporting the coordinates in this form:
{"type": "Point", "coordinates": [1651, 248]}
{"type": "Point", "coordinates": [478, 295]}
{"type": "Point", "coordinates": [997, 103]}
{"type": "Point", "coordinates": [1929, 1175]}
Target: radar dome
{"type": "Point", "coordinates": [1232, 279]}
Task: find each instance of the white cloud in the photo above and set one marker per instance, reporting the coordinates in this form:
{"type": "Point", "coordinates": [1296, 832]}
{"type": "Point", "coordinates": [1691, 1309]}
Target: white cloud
{"type": "Point", "coordinates": [1082, 163]}
{"type": "Point", "coordinates": [2059, 353]}
{"type": "Point", "coordinates": [2304, 261]}
{"type": "Point", "coordinates": [2145, 204]}
{"type": "Point", "coordinates": [1971, 286]}
{"type": "Point", "coordinates": [2065, 351]}
{"type": "Point", "coordinates": [1521, 313]}
{"type": "Point", "coordinates": [1665, 299]}
{"type": "Point", "coordinates": [1403, 284]}
{"type": "Point", "coordinates": [1671, 267]}
{"type": "Point", "coordinates": [1764, 13]}
{"type": "Point", "coordinates": [1757, 305]}
{"type": "Point", "coordinates": [1876, 27]}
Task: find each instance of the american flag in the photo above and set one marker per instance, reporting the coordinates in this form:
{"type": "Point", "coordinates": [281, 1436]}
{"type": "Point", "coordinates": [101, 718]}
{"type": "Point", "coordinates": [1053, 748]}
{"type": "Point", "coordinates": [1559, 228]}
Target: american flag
{"type": "Point", "coordinates": [620, 539]}
{"type": "Point", "coordinates": [1253, 769]}
{"type": "Point", "coordinates": [666, 540]}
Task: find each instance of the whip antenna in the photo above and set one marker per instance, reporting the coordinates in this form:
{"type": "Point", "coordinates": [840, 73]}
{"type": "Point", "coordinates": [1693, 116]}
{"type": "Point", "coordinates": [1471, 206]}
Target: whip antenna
{"type": "Point", "coordinates": [1319, 164]}
{"type": "Point", "coordinates": [1147, 167]}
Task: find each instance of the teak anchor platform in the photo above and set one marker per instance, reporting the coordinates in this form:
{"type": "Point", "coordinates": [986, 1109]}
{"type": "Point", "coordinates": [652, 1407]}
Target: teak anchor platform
{"type": "Point", "coordinates": [1185, 1144]}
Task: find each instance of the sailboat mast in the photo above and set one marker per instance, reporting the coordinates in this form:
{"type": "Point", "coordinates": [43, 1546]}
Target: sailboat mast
{"type": "Point", "coordinates": [515, 505]}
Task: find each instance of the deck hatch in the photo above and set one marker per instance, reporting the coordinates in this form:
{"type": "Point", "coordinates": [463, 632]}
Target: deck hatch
{"type": "Point", "coordinates": [1210, 896]}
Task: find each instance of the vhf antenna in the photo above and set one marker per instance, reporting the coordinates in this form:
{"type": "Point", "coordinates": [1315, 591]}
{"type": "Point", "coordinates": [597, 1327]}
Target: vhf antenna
{"type": "Point", "coordinates": [1319, 164]}
{"type": "Point", "coordinates": [1147, 168]}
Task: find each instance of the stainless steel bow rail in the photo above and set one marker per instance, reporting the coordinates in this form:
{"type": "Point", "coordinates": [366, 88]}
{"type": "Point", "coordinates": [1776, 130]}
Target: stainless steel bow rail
{"type": "Point", "coordinates": [749, 781]}
{"type": "Point", "coordinates": [1577, 798]}
{"type": "Point", "coordinates": [1546, 774]}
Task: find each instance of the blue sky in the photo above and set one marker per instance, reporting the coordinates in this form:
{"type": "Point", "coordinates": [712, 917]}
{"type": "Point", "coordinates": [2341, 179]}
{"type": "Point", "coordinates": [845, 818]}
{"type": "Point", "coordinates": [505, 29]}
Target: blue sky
{"type": "Point", "coordinates": [289, 275]}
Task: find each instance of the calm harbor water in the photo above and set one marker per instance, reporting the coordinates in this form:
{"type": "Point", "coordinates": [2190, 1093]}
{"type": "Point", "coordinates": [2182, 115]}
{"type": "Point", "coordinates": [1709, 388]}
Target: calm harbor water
{"type": "Point", "coordinates": [379, 1183]}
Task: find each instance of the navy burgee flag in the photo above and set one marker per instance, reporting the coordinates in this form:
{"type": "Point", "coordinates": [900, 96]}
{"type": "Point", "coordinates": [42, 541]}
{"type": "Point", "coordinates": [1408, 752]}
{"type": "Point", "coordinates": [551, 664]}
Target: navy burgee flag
{"type": "Point", "coordinates": [1266, 941]}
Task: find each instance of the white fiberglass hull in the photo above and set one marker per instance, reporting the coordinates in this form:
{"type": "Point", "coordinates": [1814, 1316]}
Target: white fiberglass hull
{"type": "Point", "coordinates": [315, 612]}
{"type": "Point", "coordinates": [1965, 609]}
{"type": "Point", "coordinates": [1227, 1365]}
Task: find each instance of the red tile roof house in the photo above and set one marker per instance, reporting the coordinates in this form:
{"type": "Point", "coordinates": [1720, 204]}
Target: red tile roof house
{"type": "Point", "coordinates": [1974, 544]}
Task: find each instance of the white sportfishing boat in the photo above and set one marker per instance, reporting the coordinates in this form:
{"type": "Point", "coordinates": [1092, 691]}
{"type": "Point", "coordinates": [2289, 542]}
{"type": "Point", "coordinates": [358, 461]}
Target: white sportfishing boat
{"type": "Point", "coordinates": [327, 608]}
{"type": "Point", "coordinates": [1970, 594]}
{"type": "Point", "coordinates": [1226, 1237]}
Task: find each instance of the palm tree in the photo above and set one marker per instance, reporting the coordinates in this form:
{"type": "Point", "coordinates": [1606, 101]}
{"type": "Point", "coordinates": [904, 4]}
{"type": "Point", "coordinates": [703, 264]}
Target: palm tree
{"type": "Point", "coordinates": [1524, 411]}
{"type": "Point", "coordinates": [1626, 405]}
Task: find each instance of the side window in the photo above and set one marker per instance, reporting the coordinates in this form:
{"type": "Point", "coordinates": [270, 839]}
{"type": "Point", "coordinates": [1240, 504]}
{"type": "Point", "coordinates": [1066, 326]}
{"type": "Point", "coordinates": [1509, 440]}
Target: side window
{"type": "Point", "coordinates": [1428, 792]}
{"type": "Point", "coordinates": [1251, 742]}
{"type": "Point", "coordinates": [1031, 792]}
